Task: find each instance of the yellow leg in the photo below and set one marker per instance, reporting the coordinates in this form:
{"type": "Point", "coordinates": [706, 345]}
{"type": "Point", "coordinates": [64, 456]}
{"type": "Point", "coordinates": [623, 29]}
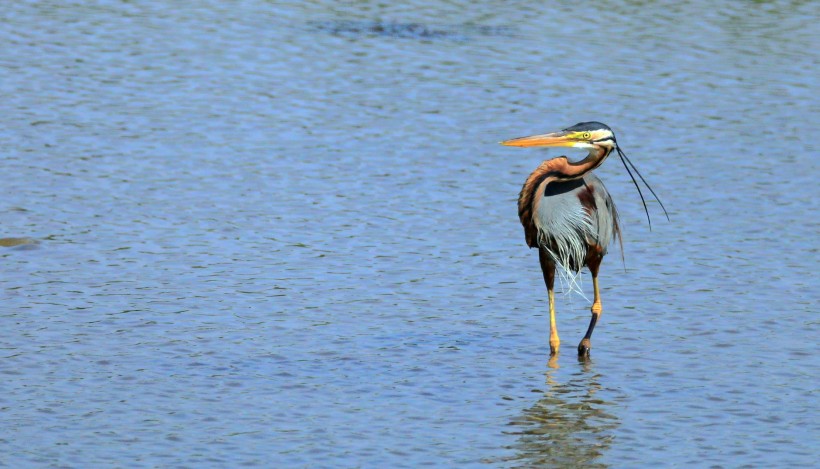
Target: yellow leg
{"type": "Point", "coordinates": [597, 309]}
{"type": "Point", "coordinates": [596, 300]}
{"type": "Point", "coordinates": [555, 341]}
{"type": "Point", "coordinates": [548, 269]}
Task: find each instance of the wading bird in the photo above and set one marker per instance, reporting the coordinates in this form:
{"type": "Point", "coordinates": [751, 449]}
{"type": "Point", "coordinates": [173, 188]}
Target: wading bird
{"type": "Point", "coordinates": [568, 214]}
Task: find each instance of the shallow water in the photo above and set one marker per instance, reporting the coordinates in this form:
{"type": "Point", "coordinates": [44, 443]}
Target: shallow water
{"type": "Point", "coordinates": [267, 233]}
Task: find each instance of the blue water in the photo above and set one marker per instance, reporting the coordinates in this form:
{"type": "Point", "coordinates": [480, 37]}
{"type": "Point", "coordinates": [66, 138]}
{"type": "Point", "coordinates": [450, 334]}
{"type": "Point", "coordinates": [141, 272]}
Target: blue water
{"type": "Point", "coordinates": [284, 235]}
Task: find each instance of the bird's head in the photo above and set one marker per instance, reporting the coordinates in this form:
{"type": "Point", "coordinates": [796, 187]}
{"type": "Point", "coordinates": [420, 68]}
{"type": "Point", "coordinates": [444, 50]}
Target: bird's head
{"type": "Point", "coordinates": [595, 137]}
{"type": "Point", "coordinates": [592, 136]}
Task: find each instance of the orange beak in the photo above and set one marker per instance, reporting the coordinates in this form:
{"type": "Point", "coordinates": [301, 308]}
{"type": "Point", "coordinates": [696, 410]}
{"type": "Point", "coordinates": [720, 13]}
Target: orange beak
{"type": "Point", "coordinates": [555, 139]}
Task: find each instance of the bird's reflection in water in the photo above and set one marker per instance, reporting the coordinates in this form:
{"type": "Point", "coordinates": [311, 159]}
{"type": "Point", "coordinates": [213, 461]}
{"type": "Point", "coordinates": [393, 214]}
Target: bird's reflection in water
{"type": "Point", "coordinates": [569, 426]}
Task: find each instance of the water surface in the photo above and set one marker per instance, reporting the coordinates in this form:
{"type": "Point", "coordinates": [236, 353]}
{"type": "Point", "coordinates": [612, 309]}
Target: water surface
{"type": "Point", "coordinates": [272, 233]}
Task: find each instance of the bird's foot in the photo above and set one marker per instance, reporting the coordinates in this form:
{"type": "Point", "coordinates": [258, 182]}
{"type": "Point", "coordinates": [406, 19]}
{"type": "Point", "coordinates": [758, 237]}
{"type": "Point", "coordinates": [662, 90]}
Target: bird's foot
{"type": "Point", "coordinates": [584, 347]}
{"type": "Point", "coordinates": [554, 346]}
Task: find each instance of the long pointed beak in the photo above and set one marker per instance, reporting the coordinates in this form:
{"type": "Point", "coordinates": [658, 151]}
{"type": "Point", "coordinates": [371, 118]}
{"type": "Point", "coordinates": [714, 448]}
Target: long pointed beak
{"type": "Point", "coordinates": [555, 139]}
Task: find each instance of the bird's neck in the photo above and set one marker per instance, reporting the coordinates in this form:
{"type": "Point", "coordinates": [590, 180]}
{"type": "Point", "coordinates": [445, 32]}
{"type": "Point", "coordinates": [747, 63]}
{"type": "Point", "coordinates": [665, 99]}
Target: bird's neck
{"type": "Point", "coordinates": [565, 170]}
{"type": "Point", "coordinates": [556, 169]}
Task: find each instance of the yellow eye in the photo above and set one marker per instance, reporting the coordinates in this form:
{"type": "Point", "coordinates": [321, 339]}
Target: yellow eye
{"type": "Point", "coordinates": [585, 135]}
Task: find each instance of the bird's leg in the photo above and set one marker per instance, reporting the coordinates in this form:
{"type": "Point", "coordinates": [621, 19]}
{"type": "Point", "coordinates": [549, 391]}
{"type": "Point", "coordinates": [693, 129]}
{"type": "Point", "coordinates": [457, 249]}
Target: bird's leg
{"type": "Point", "coordinates": [548, 269]}
{"type": "Point", "coordinates": [597, 309]}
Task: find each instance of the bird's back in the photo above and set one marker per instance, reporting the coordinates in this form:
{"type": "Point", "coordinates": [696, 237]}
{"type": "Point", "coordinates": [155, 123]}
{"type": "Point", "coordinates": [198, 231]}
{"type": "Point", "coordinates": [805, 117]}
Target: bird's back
{"type": "Point", "coordinates": [573, 217]}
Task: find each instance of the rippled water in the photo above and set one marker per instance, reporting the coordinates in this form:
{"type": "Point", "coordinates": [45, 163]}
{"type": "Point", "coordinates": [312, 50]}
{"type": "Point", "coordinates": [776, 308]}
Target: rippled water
{"type": "Point", "coordinates": [266, 233]}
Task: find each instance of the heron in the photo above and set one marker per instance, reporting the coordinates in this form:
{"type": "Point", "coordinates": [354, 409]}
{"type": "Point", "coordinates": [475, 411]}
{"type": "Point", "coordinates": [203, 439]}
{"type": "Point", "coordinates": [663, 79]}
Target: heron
{"type": "Point", "coordinates": [568, 214]}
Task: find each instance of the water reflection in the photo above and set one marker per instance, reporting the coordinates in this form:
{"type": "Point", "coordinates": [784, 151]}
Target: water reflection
{"type": "Point", "coordinates": [569, 426]}
{"type": "Point", "coordinates": [12, 242]}
{"type": "Point", "coordinates": [392, 29]}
